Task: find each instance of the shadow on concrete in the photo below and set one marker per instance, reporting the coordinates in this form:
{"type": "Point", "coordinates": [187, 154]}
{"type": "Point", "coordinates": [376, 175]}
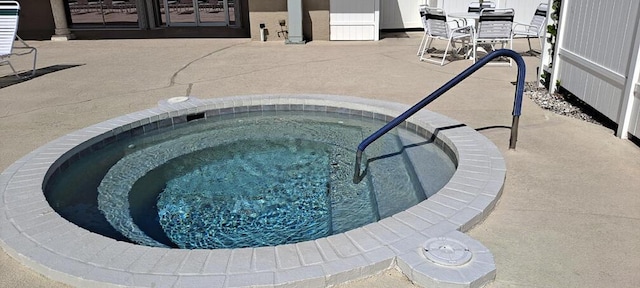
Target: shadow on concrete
{"type": "Point", "coordinates": [395, 33]}
{"type": "Point", "coordinates": [11, 79]}
{"type": "Point", "coordinates": [493, 127]}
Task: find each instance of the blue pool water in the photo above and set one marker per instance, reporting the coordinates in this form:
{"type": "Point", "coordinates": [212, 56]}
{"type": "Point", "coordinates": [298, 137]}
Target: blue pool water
{"type": "Point", "coordinates": [245, 180]}
{"type": "Point", "coordinates": [254, 193]}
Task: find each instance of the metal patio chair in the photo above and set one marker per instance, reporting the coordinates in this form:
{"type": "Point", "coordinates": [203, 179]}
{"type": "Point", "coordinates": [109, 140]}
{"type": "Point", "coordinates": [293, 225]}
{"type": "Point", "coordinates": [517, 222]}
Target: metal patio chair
{"type": "Point", "coordinates": [423, 19]}
{"type": "Point", "coordinates": [9, 11]}
{"type": "Point", "coordinates": [494, 27]}
{"type": "Point", "coordinates": [439, 29]}
{"type": "Point", "coordinates": [475, 7]}
{"type": "Point", "coordinates": [535, 29]}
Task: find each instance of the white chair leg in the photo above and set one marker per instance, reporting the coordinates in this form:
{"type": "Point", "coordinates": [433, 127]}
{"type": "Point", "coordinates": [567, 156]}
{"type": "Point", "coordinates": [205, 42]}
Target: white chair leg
{"type": "Point", "coordinates": [475, 48]}
{"type": "Point", "coordinates": [541, 39]}
{"type": "Point", "coordinates": [422, 43]}
{"type": "Point", "coordinates": [511, 48]}
{"type": "Point", "coordinates": [426, 46]}
{"type": "Point", "coordinates": [445, 52]}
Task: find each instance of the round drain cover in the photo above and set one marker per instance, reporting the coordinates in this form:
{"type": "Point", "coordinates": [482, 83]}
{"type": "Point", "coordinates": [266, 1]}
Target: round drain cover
{"type": "Point", "coordinates": [447, 251]}
{"type": "Point", "coordinates": [177, 99]}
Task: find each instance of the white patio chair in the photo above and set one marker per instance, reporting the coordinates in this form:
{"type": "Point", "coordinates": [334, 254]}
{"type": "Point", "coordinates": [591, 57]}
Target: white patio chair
{"type": "Point", "coordinates": [494, 27]}
{"type": "Point", "coordinates": [439, 29]}
{"type": "Point", "coordinates": [535, 29]}
{"type": "Point", "coordinates": [423, 19]}
{"type": "Point", "coordinates": [9, 11]}
{"type": "Point", "coordinates": [474, 7]}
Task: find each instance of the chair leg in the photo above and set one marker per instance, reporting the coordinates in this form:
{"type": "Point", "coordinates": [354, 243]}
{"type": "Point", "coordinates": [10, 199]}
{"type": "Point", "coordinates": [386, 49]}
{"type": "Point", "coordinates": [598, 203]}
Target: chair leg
{"type": "Point", "coordinates": [423, 50]}
{"type": "Point", "coordinates": [541, 39]}
{"type": "Point", "coordinates": [11, 66]}
{"type": "Point", "coordinates": [33, 68]}
{"type": "Point", "coordinates": [427, 44]}
{"type": "Point", "coordinates": [422, 42]}
{"type": "Point", "coordinates": [475, 48]}
{"type": "Point", "coordinates": [511, 48]}
{"type": "Point", "coordinates": [444, 56]}
{"type": "Point", "coordinates": [35, 58]}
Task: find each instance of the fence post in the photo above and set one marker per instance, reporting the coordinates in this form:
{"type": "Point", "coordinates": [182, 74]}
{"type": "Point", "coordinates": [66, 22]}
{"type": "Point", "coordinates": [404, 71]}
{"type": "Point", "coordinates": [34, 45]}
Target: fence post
{"type": "Point", "coordinates": [555, 70]}
{"type": "Point", "coordinates": [633, 71]}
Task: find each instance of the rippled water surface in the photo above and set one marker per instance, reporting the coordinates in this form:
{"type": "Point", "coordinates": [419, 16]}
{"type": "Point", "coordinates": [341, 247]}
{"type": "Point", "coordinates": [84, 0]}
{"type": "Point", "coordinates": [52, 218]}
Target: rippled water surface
{"type": "Point", "coordinates": [245, 180]}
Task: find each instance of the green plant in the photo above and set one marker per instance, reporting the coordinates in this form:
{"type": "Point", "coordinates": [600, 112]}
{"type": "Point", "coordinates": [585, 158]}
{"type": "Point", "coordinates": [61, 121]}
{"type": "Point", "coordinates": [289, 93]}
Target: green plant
{"type": "Point", "coordinates": [552, 29]}
{"type": "Point", "coordinates": [552, 33]}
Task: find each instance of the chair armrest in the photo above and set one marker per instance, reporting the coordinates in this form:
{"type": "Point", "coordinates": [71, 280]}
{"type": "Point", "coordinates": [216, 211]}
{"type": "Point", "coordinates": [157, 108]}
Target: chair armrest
{"type": "Point", "coordinates": [516, 25]}
{"type": "Point", "coordinates": [24, 46]}
{"type": "Point", "coordinates": [463, 29]}
{"type": "Point", "coordinates": [457, 21]}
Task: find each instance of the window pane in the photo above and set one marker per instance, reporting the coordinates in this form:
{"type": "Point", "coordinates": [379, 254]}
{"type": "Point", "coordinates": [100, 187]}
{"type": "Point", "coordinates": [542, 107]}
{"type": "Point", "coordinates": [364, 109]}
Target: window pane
{"type": "Point", "coordinates": [104, 12]}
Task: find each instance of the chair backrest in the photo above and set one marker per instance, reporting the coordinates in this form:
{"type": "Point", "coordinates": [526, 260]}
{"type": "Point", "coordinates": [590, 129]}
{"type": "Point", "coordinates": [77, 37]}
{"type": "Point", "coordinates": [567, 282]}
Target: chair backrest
{"type": "Point", "coordinates": [495, 24]}
{"type": "Point", "coordinates": [8, 25]}
{"type": "Point", "coordinates": [474, 7]}
{"type": "Point", "coordinates": [539, 19]}
{"type": "Point", "coordinates": [437, 22]}
{"type": "Point", "coordinates": [423, 16]}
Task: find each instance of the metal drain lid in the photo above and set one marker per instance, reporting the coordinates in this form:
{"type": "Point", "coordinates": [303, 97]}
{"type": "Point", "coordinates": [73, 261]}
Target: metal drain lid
{"type": "Point", "coordinates": [447, 251]}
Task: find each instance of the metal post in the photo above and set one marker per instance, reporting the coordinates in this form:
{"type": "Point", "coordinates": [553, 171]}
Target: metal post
{"type": "Point", "coordinates": [294, 8]}
{"type": "Point", "coordinates": [356, 174]}
{"type": "Point", "coordinates": [514, 132]}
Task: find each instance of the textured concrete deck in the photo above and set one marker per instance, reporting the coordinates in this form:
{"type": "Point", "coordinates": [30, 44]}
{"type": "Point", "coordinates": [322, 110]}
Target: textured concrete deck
{"type": "Point", "coordinates": [570, 210]}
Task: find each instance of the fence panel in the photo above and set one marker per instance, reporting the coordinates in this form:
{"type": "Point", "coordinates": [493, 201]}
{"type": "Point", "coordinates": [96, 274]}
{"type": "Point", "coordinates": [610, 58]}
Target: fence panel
{"type": "Point", "coordinates": [597, 57]}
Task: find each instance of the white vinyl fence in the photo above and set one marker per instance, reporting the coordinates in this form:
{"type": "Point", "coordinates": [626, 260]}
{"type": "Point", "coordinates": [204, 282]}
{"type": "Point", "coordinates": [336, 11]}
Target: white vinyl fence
{"type": "Point", "coordinates": [597, 58]}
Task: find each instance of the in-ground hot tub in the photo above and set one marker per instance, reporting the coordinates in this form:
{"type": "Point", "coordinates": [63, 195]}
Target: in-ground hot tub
{"type": "Point", "coordinates": [421, 240]}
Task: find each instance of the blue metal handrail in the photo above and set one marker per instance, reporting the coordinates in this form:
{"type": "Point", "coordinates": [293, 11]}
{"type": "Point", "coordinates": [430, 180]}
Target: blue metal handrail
{"type": "Point", "coordinates": [517, 103]}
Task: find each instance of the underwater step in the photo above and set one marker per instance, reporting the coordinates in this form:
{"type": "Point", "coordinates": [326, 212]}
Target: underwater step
{"type": "Point", "coordinates": [429, 176]}
{"type": "Point", "coordinates": [391, 178]}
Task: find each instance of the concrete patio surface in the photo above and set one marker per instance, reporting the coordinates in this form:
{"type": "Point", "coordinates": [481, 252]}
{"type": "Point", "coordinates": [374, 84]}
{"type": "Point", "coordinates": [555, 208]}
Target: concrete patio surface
{"type": "Point", "coordinates": [569, 215]}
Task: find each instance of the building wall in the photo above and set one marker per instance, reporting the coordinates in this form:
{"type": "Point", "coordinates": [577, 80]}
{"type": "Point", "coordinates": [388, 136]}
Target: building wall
{"type": "Point", "coordinates": [36, 20]}
{"type": "Point", "coordinates": [403, 14]}
{"type": "Point", "coordinates": [315, 22]}
{"type": "Point", "coordinates": [355, 20]}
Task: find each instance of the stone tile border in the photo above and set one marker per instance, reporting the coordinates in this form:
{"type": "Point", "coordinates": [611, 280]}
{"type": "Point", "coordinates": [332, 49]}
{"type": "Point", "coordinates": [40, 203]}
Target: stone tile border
{"type": "Point", "coordinates": [34, 234]}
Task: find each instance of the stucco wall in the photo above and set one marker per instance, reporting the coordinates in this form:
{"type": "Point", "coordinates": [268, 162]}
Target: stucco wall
{"type": "Point", "coordinates": [315, 20]}
{"type": "Point", "coordinates": [36, 19]}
